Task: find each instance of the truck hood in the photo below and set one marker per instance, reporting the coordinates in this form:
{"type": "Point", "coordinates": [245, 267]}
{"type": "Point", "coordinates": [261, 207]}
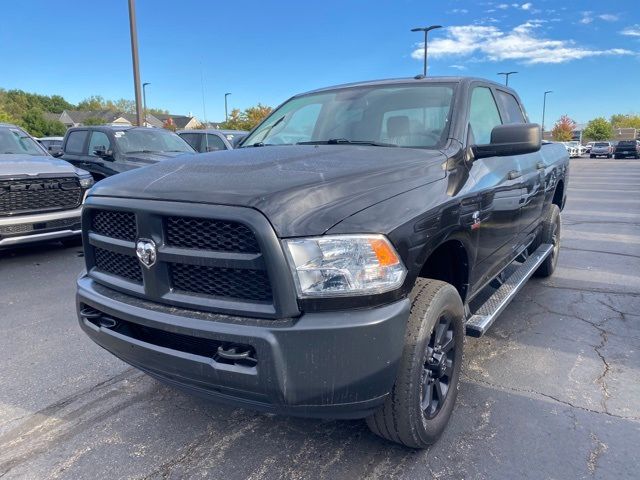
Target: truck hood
{"type": "Point", "coordinates": [302, 190]}
{"type": "Point", "coordinates": [24, 166]}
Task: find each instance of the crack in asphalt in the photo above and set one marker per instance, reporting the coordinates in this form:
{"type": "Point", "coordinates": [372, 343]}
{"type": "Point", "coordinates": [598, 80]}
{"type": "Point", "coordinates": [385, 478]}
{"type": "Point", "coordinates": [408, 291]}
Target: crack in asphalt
{"type": "Point", "coordinates": [595, 453]}
{"type": "Point", "coordinates": [546, 395]}
{"type": "Point", "coordinates": [590, 290]}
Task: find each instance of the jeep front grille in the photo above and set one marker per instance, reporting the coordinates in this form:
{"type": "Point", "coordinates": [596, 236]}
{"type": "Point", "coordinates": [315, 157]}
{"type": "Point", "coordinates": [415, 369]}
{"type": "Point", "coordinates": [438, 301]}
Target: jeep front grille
{"type": "Point", "coordinates": [39, 195]}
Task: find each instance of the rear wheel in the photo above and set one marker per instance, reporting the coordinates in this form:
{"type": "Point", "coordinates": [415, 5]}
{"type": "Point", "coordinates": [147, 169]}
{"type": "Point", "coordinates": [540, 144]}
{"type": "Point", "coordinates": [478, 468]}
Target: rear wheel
{"type": "Point", "coordinates": [551, 230]}
{"type": "Point", "coordinates": [592, 156]}
{"type": "Point", "coordinates": [420, 404]}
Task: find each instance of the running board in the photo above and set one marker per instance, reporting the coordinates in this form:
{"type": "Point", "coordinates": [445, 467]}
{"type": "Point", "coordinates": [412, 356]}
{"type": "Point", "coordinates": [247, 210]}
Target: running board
{"type": "Point", "coordinates": [483, 318]}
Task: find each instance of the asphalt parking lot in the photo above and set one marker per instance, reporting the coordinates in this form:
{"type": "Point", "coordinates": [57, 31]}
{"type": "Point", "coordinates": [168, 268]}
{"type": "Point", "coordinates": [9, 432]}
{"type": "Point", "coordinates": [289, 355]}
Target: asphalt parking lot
{"type": "Point", "coordinates": [552, 391]}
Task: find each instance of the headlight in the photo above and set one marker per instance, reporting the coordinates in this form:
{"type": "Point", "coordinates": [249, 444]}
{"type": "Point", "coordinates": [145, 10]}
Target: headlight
{"type": "Point", "coordinates": [339, 265]}
{"type": "Point", "coordinates": [86, 182]}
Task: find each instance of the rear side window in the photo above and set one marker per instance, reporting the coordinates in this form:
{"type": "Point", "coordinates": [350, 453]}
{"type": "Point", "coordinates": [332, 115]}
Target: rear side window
{"type": "Point", "coordinates": [483, 115]}
{"type": "Point", "coordinates": [192, 139]}
{"type": "Point", "coordinates": [511, 108]}
{"type": "Point", "coordinates": [213, 143]}
{"type": "Point", "coordinates": [75, 141]}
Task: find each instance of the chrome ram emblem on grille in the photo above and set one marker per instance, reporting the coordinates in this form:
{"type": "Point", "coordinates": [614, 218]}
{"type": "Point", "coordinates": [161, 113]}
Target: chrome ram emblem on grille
{"type": "Point", "coordinates": [146, 252]}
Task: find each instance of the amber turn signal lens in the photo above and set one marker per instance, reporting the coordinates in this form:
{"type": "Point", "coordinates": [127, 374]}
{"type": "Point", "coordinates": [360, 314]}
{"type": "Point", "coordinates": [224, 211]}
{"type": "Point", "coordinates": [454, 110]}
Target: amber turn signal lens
{"type": "Point", "coordinates": [384, 252]}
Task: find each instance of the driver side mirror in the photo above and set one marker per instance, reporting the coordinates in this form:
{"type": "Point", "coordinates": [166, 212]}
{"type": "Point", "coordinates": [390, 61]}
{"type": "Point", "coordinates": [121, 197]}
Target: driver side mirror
{"type": "Point", "coordinates": [511, 139]}
{"type": "Point", "coordinates": [102, 152]}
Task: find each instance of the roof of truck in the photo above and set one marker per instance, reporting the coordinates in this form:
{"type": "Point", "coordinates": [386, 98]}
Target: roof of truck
{"type": "Point", "coordinates": [405, 80]}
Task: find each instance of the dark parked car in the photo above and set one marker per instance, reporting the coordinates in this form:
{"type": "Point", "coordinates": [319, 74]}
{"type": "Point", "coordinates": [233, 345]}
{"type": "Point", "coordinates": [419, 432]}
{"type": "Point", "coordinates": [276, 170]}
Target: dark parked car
{"type": "Point", "coordinates": [211, 140]}
{"type": "Point", "coordinates": [106, 151]}
{"type": "Point", "coordinates": [40, 196]}
{"type": "Point", "coordinates": [52, 144]}
{"type": "Point", "coordinates": [627, 148]}
{"type": "Point", "coordinates": [330, 265]}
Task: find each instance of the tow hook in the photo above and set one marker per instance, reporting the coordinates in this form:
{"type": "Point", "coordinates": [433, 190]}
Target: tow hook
{"type": "Point", "coordinates": [235, 354]}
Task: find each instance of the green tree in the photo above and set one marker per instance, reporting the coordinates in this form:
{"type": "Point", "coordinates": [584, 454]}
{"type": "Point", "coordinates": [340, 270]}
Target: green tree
{"type": "Point", "coordinates": [598, 129]}
{"type": "Point", "coordinates": [625, 121]}
{"type": "Point", "coordinates": [563, 129]}
{"type": "Point", "coordinates": [157, 111]}
{"type": "Point", "coordinates": [5, 117]}
{"type": "Point", "coordinates": [38, 126]}
{"type": "Point", "coordinates": [246, 119]}
{"type": "Point", "coordinates": [94, 102]}
{"type": "Point", "coordinates": [93, 121]}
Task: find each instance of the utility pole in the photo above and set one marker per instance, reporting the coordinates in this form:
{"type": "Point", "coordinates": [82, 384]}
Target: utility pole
{"type": "Point", "coordinates": [544, 108]}
{"type": "Point", "coordinates": [506, 75]}
{"type": "Point", "coordinates": [144, 101]}
{"type": "Point", "coordinates": [226, 114]}
{"type": "Point", "coordinates": [426, 31]}
{"type": "Point", "coordinates": [134, 56]}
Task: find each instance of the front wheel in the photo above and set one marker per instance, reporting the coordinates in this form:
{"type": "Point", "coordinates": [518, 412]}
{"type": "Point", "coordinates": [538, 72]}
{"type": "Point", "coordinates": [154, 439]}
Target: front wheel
{"type": "Point", "coordinates": [420, 404]}
{"type": "Point", "coordinates": [551, 230]}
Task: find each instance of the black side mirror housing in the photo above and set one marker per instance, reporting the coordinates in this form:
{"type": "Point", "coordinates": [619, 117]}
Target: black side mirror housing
{"type": "Point", "coordinates": [102, 152]}
{"type": "Point", "coordinates": [57, 154]}
{"type": "Point", "coordinates": [511, 139]}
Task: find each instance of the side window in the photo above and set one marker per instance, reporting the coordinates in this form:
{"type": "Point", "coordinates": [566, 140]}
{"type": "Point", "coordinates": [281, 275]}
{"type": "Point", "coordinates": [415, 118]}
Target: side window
{"type": "Point", "coordinates": [214, 143]}
{"type": "Point", "coordinates": [483, 115]}
{"type": "Point", "coordinates": [511, 108]}
{"type": "Point", "coordinates": [75, 141]}
{"type": "Point", "coordinates": [192, 139]}
{"type": "Point", "coordinates": [98, 139]}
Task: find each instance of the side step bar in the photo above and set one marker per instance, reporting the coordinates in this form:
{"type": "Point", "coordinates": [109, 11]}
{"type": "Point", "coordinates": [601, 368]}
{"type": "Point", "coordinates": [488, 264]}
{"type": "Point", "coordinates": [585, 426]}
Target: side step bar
{"type": "Point", "coordinates": [481, 320]}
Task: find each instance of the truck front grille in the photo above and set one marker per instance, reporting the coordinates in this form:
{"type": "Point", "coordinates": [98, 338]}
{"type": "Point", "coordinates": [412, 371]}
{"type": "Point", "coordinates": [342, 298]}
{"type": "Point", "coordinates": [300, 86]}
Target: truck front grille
{"type": "Point", "coordinates": [225, 282]}
{"type": "Point", "coordinates": [124, 266]}
{"type": "Point", "coordinates": [213, 264]}
{"type": "Point", "coordinates": [208, 234]}
{"type": "Point", "coordinates": [121, 225]}
{"type": "Point", "coordinates": [39, 195]}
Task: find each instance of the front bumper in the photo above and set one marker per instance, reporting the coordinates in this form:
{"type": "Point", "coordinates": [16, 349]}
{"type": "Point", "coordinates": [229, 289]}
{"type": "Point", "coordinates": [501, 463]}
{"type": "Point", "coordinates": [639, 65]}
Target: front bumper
{"type": "Point", "coordinates": [328, 364]}
{"type": "Point", "coordinates": [39, 227]}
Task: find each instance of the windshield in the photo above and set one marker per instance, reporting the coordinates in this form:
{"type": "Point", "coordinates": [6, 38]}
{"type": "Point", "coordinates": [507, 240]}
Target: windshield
{"type": "Point", "coordinates": [150, 140]}
{"type": "Point", "coordinates": [600, 144]}
{"type": "Point", "coordinates": [627, 143]}
{"type": "Point", "coordinates": [13, 140]}
{"type": "Point", "coordinates": [412, 116]}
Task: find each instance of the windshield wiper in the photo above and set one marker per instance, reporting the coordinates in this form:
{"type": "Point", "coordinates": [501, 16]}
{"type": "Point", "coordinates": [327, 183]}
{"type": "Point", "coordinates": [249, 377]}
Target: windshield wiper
{"type": "Point", "coordinates": [345, 141]}
{"type": "Point", "coordinates": [144, 151]}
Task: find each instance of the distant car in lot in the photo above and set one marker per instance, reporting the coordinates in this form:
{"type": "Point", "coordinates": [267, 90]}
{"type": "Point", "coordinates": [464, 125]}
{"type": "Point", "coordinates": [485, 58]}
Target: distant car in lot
{"type": "Point", "coordinates": [52, 144]}
{"type": "Point", "coordinates": [40, 196]}
{"type": "Point", "coordinates": [588, 147]}
{"type": "Point", "coordinates": [571, 149]}
{"type": "Point", "coordinates": [627, 148]}
{"type": "Point", "coordinates": [579, 147]}
{"type": "Point", "coordinates": [601, 149]}
{"type": "Point", "coordinates": [107, 150]}
{"type": "Point", "coordinates": [211, 139]}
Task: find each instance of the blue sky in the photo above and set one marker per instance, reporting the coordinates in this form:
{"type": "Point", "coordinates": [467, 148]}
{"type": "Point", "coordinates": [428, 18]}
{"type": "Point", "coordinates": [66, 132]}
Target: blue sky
{"type": "Point", "coordinates": [586, 51]}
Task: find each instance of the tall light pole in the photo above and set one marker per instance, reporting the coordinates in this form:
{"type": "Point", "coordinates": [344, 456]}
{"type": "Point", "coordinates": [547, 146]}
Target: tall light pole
{"type": "Point", "coordinates": [506, 76]}
{"type": "Point", "coordinates": [134, 57]}
{"type": "Point", "coordinates": [544, 107]}
{"type": "Point", "coordinates": [426, 31]}
{"type": "Point", "coordinates": [144, 101]}
{"type": "Point", "coordinates": [226, 114]}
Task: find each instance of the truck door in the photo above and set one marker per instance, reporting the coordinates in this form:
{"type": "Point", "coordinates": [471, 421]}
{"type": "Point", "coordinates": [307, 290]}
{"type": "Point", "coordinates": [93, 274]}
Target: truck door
{"type": "Point", "coordinates": [499, 185]}
{"type": "Point", "coordinates": [531, 167]}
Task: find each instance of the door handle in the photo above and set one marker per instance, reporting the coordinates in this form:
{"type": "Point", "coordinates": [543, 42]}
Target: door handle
{"type": "Point", "coordinates": [513, 174]}
{"type": "Point", "coordinates": [540, 166]}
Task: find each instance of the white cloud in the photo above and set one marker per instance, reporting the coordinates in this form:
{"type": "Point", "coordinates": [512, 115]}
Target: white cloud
{"type": "Point", "coordinates": [587, 18]}
{"type": "Point", "coordinates": [458, 67]}
{"type": "Point", "coordinates": [632, 31]}
{"type": "Point", "coordinates": [521, 44]}
{"type": "Point", "coordinates": [458, 10]}
{"type": "Point", "coordinates": [503, 6]}
{"type": "Point", "coordinates": [526, 6]}
{"type": "Point", "coordinates": [608, 17]}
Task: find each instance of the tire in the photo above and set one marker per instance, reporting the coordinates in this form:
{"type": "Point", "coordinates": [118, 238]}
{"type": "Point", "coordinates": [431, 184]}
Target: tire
{"type": "Point", "coordinates": [401, 418]}
{"type": "Point", "coordinates": [592, 156]}
{"type": "Point", "coordinates": [551, 231]}
{"type": "Point", "coordinates": [608, 156]}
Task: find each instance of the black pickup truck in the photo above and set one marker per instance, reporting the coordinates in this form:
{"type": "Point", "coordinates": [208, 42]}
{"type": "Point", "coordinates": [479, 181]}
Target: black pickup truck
{"type": "Point", "coordinates": [331, 265]}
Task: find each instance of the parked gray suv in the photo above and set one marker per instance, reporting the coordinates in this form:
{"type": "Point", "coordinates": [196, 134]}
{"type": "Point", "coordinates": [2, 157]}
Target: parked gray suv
{"type": "Point", "coordinates": [601, 149]}
{"type": "Point", "coordinates": [40, 196]}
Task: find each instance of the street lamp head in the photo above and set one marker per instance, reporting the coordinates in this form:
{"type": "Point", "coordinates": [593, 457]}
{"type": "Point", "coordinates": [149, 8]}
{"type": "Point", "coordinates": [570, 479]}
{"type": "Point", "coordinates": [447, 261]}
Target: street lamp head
{"type": "Point", "coordinates": [426, 29]}
{"type": "Point", "coordinates": [548, 91]}
{"type": "Point", "coordinates": [145, 84]}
